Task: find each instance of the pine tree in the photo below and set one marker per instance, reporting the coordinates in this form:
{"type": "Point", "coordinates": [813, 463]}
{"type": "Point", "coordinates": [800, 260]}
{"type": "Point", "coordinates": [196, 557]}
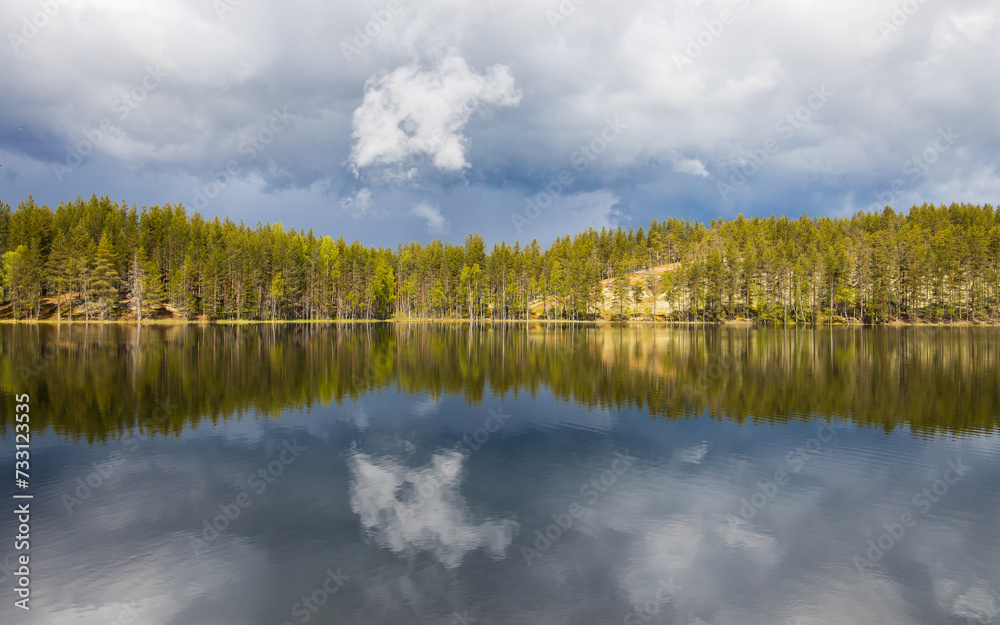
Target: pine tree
{"type": "Point", "coordinates": [137, 282]}
{"type": "Point", "coordinates": [277, 293]}
{"type": "Point", "coordinates": [16, 278]}
{"type": "Point", "coordinates": [58, 269]}
{"type": "Point", "coordinates": [638, 291]}
{"type": "Point", "coordinates": [152, 289]}
{"type": "Point", "coordinates": [83, 255]}
{"type": "Point", "coordinates": [619, 290]}
{"type": "Point", "coordinates": [653, 285]}
{"type": "Point", "coordinates": [105, 276]}
{"type": "Point", "coordinates": [384, 289]}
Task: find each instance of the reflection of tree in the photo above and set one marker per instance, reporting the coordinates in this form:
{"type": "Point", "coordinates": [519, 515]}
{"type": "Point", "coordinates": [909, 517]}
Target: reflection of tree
{"type": "Point", "coordinates": [98, 382]}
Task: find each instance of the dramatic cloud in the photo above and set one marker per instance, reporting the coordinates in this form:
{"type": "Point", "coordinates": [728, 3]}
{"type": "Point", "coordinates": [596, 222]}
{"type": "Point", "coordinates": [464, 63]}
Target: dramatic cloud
{"type": "Point", "coordinates": [693, 108]}
{"type": "Point", "coordinates": [413, 112]}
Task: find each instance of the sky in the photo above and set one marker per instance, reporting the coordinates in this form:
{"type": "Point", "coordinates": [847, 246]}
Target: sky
{"type": "Point", "coordinates": [396, 120]}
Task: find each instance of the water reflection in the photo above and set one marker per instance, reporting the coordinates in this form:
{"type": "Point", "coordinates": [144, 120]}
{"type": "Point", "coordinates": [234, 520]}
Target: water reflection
{"type": "Point", "coordinates": [95, 383]}
{"type": "Point", "coordinates": [454, 475]}
{"type": "Point", "coordinates": [411, 510]}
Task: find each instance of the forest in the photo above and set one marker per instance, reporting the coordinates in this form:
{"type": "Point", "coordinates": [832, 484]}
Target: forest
{"type": "Point", "coordinates": [99, 259]}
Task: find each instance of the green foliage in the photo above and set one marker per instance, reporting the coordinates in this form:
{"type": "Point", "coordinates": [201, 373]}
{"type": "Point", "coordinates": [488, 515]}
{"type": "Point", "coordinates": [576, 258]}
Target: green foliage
{"type": "Point", "coordinates": [22, 277]}
{"type": "Point", "coordinates": [104, 281]}
{"type": "Point", "coordinates": [929, 264]}
{"type": "Point", "coordinates": [59, 268]}
{"type": "Point", "coordinates": [638, 292]}
{"type": "Point", "coordinates": [653, 284]}
{"type": "Point", "coordinates": [384, 290]}
{"type": "Point", "coordinates": [619, 290]}
{"type": "Point", "coordinates": [153, 294]}
{"type": "Point", "coordinates": [15, 278]}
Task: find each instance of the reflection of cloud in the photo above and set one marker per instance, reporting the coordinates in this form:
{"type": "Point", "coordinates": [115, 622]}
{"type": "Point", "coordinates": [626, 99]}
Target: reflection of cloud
{"type": "Point", "coordinates": [675, 544]}
{"type": "Point", "coordinates": [692, 455]}
{"type": "Point", "coordinates": [421, 509]}
{"type": "Point", "coordinates": [657, 555]}
{"type": "Point", "coordinates": [976, 603]}
{"type": "Point", "coordinates": [358, 416]}
{"type": "Point", "coordinates": [425, 407]}
{"type": "Point", "coordinates": [761, 546]}
{"type": "Point", "coordinates": [830, 599]}
{"type": "Point", "coordinates": [154, 585]}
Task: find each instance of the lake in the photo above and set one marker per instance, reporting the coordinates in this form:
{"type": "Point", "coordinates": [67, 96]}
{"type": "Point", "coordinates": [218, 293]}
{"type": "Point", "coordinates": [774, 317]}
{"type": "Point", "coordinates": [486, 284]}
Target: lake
{"type": "Point", "coordinates": [538, 473]}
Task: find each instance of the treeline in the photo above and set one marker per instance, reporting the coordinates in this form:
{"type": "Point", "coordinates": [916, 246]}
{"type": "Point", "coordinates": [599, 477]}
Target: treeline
{"type": "Point", "coordinates": [96, 382]}
{"type": "Point", "coordinates": [100, 259]}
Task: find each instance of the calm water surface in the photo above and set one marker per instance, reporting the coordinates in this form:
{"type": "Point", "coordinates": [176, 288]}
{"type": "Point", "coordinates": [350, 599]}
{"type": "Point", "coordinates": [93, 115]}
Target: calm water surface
{"type": "Point", "coordinates": [541, 474]}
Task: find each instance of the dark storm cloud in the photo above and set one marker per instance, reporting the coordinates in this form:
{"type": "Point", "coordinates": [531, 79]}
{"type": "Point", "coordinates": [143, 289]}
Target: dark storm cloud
{"type": "Point", "coordinates": [447, 117]}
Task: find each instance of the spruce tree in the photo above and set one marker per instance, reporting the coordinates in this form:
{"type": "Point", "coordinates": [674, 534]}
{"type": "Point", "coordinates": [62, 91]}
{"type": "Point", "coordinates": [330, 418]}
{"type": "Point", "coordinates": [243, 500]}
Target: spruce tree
{"type": "Point", "coordinates": [105, 276]}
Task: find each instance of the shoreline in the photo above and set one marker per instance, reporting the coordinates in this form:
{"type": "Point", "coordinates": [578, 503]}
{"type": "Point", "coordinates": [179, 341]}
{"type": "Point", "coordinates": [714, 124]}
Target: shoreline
{"type": "Point", "coordinates": [423, 321]}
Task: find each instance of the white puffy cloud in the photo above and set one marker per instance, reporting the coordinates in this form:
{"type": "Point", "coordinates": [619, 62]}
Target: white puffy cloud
{"type": "Point", "coordinates": [691, 167]}
{"type": "Point", "coordinates": [435, 222]}
{"type": "Point", "coordinates": [409, 510]}
{"type": "Point", "coordinates": [411, 112]}
{"type": "Point", "coordinates": [359, 204]}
